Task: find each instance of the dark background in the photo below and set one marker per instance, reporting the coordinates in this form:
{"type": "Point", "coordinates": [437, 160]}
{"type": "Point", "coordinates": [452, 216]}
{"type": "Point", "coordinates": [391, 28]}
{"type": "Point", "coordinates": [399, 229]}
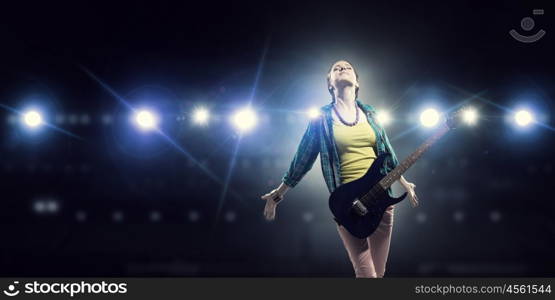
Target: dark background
{"type": "Point", "coordinates": [98, 198]}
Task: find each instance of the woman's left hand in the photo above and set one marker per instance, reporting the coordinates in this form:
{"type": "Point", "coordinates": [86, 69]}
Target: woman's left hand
{"type": "Point", "coordinates": [409, 186]}
{"type": "Point", "coordinates": [412, 194]}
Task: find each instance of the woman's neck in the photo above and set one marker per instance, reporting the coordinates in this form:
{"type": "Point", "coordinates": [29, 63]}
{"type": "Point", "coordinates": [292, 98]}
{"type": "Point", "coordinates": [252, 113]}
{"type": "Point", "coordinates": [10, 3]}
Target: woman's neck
{"type": "Point", "coordinates": [345, 98]}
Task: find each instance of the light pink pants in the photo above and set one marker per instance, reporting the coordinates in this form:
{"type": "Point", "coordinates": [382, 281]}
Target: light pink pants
{"type": "Point", "coordinates": [369, 255]}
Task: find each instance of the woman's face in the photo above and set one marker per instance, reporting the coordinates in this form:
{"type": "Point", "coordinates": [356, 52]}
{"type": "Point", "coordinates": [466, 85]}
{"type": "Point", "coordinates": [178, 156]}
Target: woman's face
{"type": "Point", "coordinates": [343, 73]}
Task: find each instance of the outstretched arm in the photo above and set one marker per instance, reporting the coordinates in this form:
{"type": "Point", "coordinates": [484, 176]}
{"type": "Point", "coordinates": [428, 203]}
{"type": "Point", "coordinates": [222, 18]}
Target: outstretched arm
{"type": "Point", "coordinates": [304, 158]}
{"type": "Point", "coordinates": [306, 154]}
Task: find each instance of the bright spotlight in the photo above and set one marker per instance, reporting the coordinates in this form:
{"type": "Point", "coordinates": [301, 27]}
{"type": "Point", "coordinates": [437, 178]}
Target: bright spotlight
{"type": "Point", "coordinates": [384, 118]}
{"type": "Point", "coordinates": [470, 116]}
{"type": "Point", "coordinates": [523, 118]}
{"type": "Point", "coordinates": [32, 119]}
{"type": "Point", "coordinates": [145, 119]}
{"type": "Point", "coordinates": [201, 116]}
{"type": "Point", "coordinates": [313, 112]}
{"type": "Point", "coordinates": [429, 117]}
{"type": "Point", "coordinates": [244, 119]}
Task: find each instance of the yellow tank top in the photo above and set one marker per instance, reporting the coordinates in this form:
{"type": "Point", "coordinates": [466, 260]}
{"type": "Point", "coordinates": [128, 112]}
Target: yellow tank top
{"type": "Point", "coordinates": [355, 145]}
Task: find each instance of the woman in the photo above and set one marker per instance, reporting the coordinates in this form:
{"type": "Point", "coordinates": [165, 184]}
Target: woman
{"type": "Point", "coordinates": [348, 139]}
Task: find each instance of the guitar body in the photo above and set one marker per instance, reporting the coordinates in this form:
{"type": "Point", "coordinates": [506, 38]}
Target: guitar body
{"type": "Point", "coordinates": [360, 204]}
{"type": "Point", "coordinates": [341, 201]}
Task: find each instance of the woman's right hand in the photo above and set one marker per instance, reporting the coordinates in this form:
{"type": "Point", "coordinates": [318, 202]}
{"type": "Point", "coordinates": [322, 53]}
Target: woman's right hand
{"type": "Point", "coordinates": [272, 199]}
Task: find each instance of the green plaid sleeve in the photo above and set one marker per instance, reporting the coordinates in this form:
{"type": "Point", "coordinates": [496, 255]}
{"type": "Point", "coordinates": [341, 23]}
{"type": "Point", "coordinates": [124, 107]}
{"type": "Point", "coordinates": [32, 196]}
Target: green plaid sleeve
{"type": "Point", "coordinates": [393, 161]}
{"type": "Point", "coordinates": [305, 156]}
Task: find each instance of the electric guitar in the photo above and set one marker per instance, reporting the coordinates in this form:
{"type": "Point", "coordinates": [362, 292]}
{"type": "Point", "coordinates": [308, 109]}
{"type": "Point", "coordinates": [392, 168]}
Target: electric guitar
{"type": "Point", "coordinates": [359, 205]}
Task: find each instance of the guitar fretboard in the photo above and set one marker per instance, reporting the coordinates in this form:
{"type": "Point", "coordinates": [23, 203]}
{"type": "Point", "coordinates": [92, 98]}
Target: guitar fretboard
{"type": "Point", "coordinates": [396, 173]}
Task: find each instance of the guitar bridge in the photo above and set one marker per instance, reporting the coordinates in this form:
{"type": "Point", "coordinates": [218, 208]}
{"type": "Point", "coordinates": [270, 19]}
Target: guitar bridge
{"type": "Point", "coordinates": [359, 208]}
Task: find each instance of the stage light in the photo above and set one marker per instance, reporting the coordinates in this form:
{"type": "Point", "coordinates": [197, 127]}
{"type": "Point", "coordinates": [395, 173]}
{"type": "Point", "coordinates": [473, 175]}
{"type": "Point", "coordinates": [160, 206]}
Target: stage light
{"type": "Point", "coordinates": [32, 119]}
{"type": "Point", "coordinates": [244, 119]}
{"type": "Point", "coordinates": [72, 119]}
{"type": "Point", "coordinates": [46, 206]}
{"type": "Point", "coordinates": [155, 216]}
{"type": "Point", "coordinates": [495, 216]}
{"type": "Point", "coordinates": [421, 217]}
{"type": "Point", "coordinates": [201, 116]}
{"type": "Point", "coordinates": [81, 216]}
{"type": "Point", "coordinates": [230, 216]}
{"type": "Point", "coordinates": [429, 117]}
{"type": "Point", "coordinates": [107, 119]}
{"type": "Point", "coordinates": [458, 216]}
{"type": "Point", "coordinates": [39, 206]}
{"type": "Point", "coordinates": [194, 216]}
{"type": "Point", "coordinates": [52, 206]}
{"type": "Point", "coordinates": [117, 216]}
{"type": "Point", "coordinates": [384, 118]}
{"type": "Point", "coordinates": [470, 116]}
{"type": "Point", "coordinates": [523, 118]}
{"type": "Point", "coordinates": [146, 120]}
{"type": "Point", "coordinates": [313, 112]}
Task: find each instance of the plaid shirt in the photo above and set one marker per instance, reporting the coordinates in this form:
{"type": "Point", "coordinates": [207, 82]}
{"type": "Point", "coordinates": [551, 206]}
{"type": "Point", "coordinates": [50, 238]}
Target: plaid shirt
{"type": "Point", "coordinates": [318, 139]}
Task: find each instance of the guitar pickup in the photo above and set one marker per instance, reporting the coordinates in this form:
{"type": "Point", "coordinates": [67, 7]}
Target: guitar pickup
{"type": "Point", "coordinates": [359, 208]}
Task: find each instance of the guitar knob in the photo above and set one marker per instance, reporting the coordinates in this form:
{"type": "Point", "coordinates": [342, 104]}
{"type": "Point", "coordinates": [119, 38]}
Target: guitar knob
{"type": "Point", "coordinates": [359, 208]}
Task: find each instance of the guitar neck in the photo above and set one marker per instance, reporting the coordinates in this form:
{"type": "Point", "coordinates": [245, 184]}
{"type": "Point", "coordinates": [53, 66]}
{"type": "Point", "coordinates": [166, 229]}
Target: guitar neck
{"type": "Point", "coordinates": [396, 173]}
